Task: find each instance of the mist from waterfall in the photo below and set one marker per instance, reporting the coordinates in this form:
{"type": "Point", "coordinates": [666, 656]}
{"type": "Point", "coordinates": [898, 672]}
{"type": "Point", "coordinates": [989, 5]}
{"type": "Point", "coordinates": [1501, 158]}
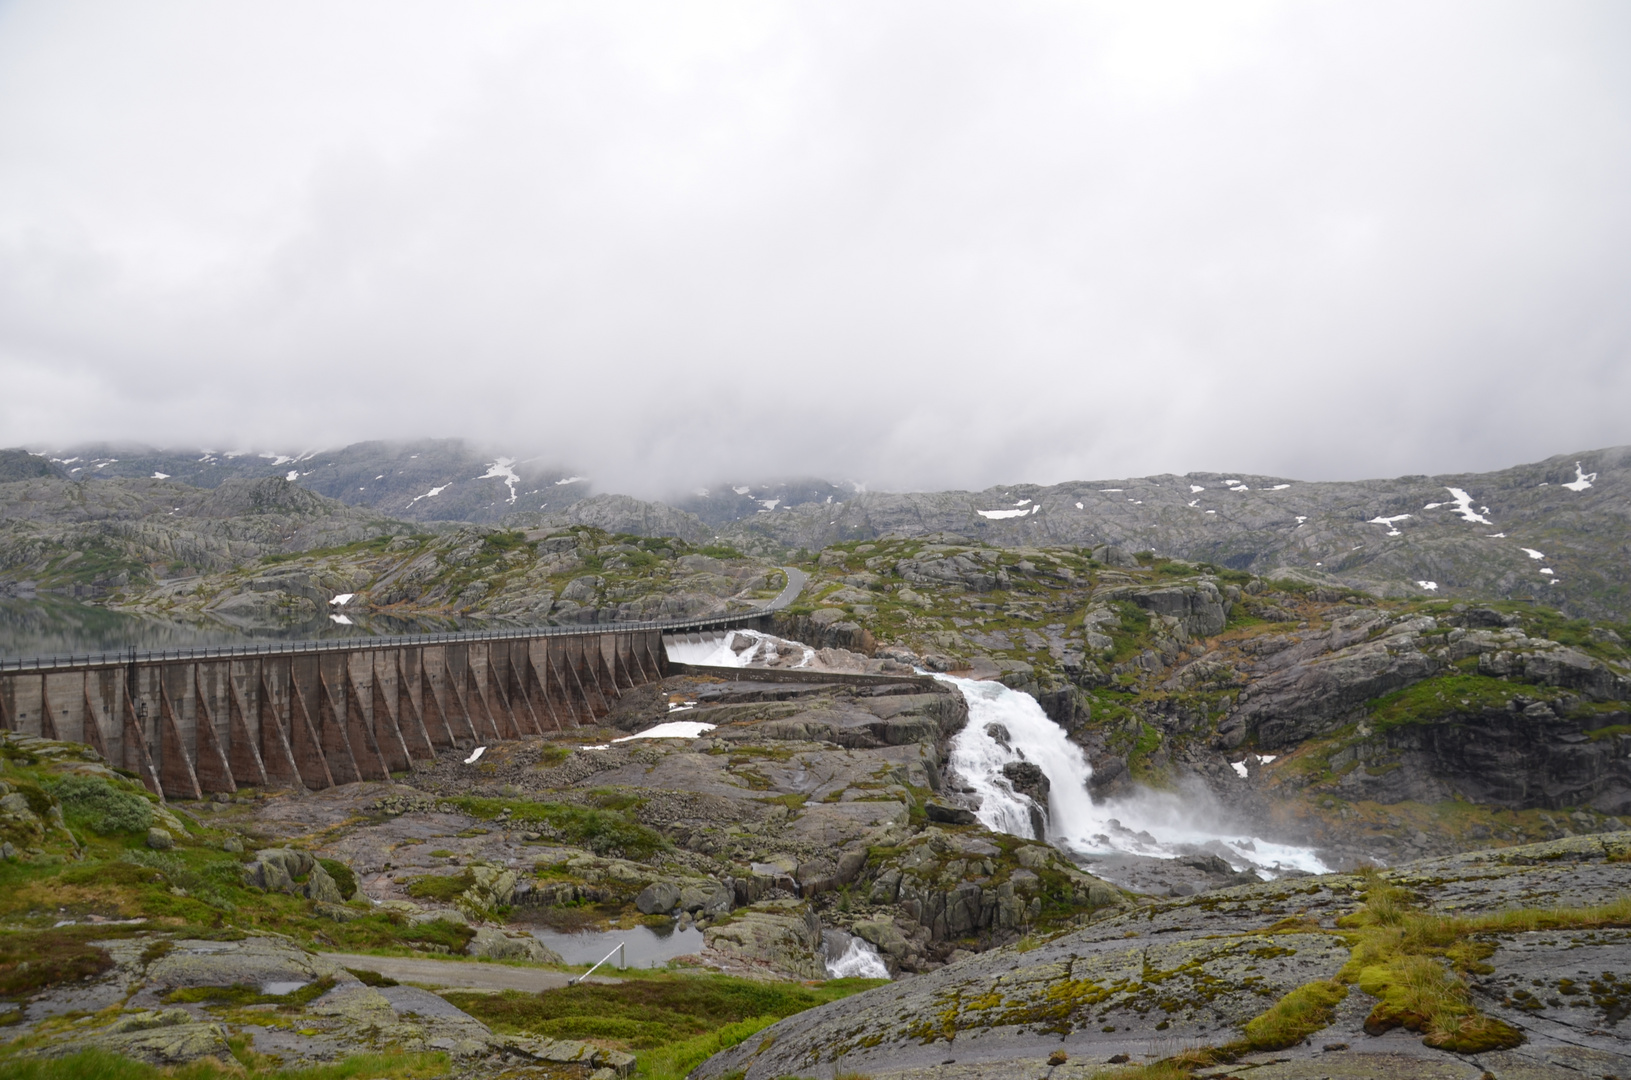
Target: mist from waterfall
{"type": "Point", "coordinates": [1006, 726]}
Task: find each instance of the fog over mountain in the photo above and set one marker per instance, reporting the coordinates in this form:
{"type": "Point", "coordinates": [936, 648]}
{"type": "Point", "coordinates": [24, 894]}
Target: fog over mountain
{"type": "Point", "coordinates": [923, 246]}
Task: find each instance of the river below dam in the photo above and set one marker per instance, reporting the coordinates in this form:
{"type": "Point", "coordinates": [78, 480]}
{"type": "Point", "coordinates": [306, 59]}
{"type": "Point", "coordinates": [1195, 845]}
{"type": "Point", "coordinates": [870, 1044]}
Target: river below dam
{"type": "Point", "coordinates": [1130, 841]}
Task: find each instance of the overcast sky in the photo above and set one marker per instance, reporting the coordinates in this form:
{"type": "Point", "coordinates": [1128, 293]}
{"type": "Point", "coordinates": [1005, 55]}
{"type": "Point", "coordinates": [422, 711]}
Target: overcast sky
{"type": "Point", "coordinates": [922, 245]}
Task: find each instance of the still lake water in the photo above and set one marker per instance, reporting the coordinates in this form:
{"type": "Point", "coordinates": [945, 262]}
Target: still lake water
{"type": "Point", "coordinates": [647, 947]}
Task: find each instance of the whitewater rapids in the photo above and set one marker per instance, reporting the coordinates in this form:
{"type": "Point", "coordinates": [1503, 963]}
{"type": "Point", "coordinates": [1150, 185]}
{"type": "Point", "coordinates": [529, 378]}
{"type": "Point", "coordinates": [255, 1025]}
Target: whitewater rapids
{"type": "Point", "coordinates": [1152, 824]}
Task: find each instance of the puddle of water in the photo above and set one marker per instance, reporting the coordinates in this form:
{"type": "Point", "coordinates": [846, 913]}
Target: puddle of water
{"type": "Point", "coordinates": [646, 947]}
{"type": "Point", "coordinates": [281, 987]}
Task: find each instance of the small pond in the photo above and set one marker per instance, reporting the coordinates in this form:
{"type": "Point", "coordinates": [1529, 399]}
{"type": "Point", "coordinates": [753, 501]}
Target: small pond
{"type": "Point", "coordinates": [646, 946]}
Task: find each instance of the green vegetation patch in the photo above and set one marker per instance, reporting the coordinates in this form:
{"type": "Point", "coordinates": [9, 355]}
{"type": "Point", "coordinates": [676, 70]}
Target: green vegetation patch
{"type": "Point", "coordinates": [678, 1020]}
{"type": "Point", "coordinates": [444, 888]}
{"type": "Point", "coordinates": [101, 1065]}
{"type": "Point", "coordinates": [604, 832]}
{"type": "Point", "coordinates": [1446, 695]}
{"type": "Point", "coordinates": [342, 875]}
{"type": "Point", "coordinates": [31, 960]}
{"type": "Point", "coordinates": [90, 802]}
{"type": "Point", "coordinates": [240, 994]}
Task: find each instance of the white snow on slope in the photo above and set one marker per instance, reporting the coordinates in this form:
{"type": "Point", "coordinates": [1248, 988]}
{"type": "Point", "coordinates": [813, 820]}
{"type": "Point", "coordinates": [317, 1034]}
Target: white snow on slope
{"type": "Point", "coordinates": [1463, 506]}
{"type": "Point", "coordinates": [1430, 586]}
{"type": "Point", "coordinates": [1279, 487]}
{"type": "Point", "coordinates": [156, 476]}
{"type": "Point", "coordinates": [500, 470]}
{"type": "Point", "coordinates": [996, 514]}
{"type": "Point", "coordinates": [1392, 529]}
{"type": "Point", "coordinates": [1195, 489]}
{"type": "Point", "coordinates": [431, 494]}
{"type": "Point", "coordinates": [1582, 479]}
{"type": "Point", "coordinates": [1532, 553]}
{"type": "Point", "coordinates": [342, 599]}
{"type": "Point", "coordinates": [570, 480]}
{"type": "Point", "coordinates": [673, 729]}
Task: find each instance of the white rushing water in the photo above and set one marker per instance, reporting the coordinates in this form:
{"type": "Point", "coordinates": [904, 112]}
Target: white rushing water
{"type": "Point", "coordinates": [737, 648]}
{"type": "Point", "coordinates": [1154, 823]}
{"type": "Point", "coordinates": [856, 959]}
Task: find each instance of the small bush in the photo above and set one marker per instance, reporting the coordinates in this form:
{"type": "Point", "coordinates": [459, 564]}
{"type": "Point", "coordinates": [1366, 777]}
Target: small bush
{"type": "Point", "coordinates": [30, 961]}
{"type": "Point", "coordinates": [342, 875]}
{"type": "Point", "coordinates": [93, 803]}
{"type": "Point", "coordinates": [445, 888]}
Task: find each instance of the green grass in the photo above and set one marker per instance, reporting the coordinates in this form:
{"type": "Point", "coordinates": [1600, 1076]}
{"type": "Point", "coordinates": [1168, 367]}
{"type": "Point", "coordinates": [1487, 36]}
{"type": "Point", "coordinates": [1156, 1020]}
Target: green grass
{"type": "Point", "coordinates": [101, 1065]}
{"type": "Point", "coordinates": [673, 1021]}
{"type": "Point", "coordinates": [1446, 695]}
{"type": "Point", "coordinates": [445, 888]}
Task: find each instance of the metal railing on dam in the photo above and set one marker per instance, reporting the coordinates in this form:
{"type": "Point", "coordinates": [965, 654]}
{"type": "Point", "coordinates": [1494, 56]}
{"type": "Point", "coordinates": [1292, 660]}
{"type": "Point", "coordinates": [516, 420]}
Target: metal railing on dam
{"type": "Point", "coordinates": [312, 714]}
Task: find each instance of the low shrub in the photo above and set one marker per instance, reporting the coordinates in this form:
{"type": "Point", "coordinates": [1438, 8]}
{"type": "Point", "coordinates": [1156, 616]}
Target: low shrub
{"type": "Point", "coordinates": [91, 802]}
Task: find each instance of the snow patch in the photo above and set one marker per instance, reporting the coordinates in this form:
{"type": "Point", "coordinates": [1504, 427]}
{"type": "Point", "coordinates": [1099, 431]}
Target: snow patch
{"type": "Point", "coordinates": [1463, 506]}
{"type": "Point", "coordinates": [673, 729]}
{"type": "Point", "coordinates": [570, 480]}
{"type": "Point", "coordinates": [500, 470]}
{"type": "Point", "coordinates": [1392, 529]}
{"type": "Point", "coordinates": [1279, 487]}
{"type": "Point", "coordinates": [342, 598]}
{"type": "Point", "coordinates": [431, 494]}
{"type": "Point", "coordinates": [1532, 553]}
{"type": "Point", "coordinates": [475, 755]}
{"type": "Point", "coordinates": [999, 514]}
{"type": "Point", "coordinates": [156, 476]}
{"type": "Point", "coordinates": [1432, 506]}
{"type": "Point", "coordinates": [1195, 489]}
{"type": "Point", "coordinates": [1582, 479]}
{"type": "Point", "coordinates": [741, 490]}
{"type": "Point", "coordinates": [770, 504]}
{"type": "Point", "coordinates": [1079, 506]}
{"type": "Point", "coordinates": [1546, 570]}
{"type": "Point", "coordinates": [292, 475]}
{"type": "Point", "coordinates": [1239, 767]}
{"type": "Point", "coordinates": [1430, 586]}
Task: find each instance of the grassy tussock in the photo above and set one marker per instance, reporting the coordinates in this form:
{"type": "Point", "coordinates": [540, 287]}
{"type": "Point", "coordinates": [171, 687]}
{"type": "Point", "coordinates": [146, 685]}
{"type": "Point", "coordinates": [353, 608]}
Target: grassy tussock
{"type": "Point", "coordinates": [1296, 1016]}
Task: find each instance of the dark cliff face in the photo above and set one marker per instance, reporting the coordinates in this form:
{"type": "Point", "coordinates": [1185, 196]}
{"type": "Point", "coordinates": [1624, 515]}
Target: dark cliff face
{"type": "Point", "coordinates": [1522, 757]}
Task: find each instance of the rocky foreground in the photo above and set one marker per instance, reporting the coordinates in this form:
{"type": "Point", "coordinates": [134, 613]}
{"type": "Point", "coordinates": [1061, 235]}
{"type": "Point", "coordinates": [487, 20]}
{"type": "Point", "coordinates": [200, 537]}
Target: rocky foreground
{"type": "Point", "coordinates": [1550, 987]}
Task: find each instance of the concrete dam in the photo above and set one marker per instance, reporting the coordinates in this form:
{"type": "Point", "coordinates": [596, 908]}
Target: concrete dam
{"type": "Point", "coordinates": [315, 714]}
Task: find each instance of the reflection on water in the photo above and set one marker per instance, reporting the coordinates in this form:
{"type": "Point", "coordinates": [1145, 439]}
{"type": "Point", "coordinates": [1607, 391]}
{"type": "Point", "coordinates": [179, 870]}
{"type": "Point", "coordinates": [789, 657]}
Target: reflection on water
{"type": "Point", "coordinates": [646, 947]}
{"type": "Point", "coordinates": [56, 626]}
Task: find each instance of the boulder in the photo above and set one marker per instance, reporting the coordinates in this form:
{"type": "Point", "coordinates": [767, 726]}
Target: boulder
{"type": "Point", "coordinates": [781, 935]}
{"type": "Point", "coordinates": [320, 886]}
{"type": "Point", "coordinates": [657, 898]}
{"type": "Point", "coordinates": [949, 815]}
{"type": "Point", "coordinates": [709, 898]}
{"type": "Point", "coordinates": [160, 839]}
{"type": "Point", "coordinates": [275, 869]}
{"type": "Point", "coordinates": [496, 944]}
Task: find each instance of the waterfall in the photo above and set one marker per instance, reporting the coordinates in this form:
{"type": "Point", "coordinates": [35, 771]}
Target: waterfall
{"type": "Point", "coordinates": [1007, 726]}
{"type": "Point", "coordinates": [848, 957]}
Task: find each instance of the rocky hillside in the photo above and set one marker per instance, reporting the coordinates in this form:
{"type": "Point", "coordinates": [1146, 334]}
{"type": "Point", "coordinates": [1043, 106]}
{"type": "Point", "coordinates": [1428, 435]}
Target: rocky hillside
{"type": "Point", "coordinates": [1555, 532]}
{"type": "Point", "coordinates": [97, 538]}
{"type": "Point", "coordinates": [424, 480]}
{"type": "Point", "coordinates": [1374, 728]}
{"type": "Point", "coordinates": [541, 577]}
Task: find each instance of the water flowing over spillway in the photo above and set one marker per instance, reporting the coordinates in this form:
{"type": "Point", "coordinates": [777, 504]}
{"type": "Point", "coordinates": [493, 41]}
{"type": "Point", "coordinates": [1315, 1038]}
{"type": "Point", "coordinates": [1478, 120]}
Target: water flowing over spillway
{"type": "Point", "coordinates": [1007, 726]}
{"type": "Point", "coordinates": [736, 648]}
